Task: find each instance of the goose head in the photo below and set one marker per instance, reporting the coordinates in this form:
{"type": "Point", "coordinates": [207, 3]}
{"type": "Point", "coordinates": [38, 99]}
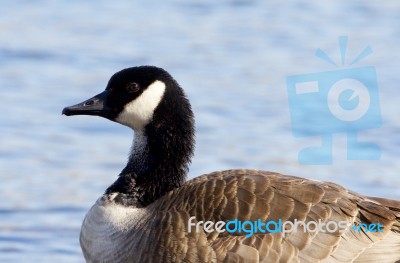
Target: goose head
{"type": "Point", "coordinates": [137, 97]}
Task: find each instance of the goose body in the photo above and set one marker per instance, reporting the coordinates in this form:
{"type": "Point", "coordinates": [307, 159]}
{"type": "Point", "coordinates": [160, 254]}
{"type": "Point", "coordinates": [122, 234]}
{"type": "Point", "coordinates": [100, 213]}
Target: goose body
{"type": "Point", "coordinates": [144, 216]}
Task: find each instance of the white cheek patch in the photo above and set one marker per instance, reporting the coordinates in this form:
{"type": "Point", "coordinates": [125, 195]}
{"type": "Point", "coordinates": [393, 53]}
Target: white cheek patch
{"type": "Point", "coordinates": [139, 112]}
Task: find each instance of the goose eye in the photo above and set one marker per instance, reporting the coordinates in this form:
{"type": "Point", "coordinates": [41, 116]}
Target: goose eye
{"type": "Point", "coordinates": [132, 87]}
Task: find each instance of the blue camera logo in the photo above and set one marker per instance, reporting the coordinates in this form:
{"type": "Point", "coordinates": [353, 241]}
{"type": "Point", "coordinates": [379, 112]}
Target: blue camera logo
{"type": "Point", "coordinates": [340, 101]}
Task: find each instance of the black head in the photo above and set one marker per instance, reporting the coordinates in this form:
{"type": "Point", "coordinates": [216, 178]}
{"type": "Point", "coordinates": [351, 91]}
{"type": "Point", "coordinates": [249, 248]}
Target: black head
{"type": "Point", "coordinates": [132, 97]}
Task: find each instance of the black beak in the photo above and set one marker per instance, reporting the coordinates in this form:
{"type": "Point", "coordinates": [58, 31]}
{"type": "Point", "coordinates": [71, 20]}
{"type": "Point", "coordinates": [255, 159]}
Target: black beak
{"type": "Point", "coordinates": [94, 106]}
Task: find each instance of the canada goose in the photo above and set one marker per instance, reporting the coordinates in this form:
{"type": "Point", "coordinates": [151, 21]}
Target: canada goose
{"type": "Point", "coordinates": [150, 213]}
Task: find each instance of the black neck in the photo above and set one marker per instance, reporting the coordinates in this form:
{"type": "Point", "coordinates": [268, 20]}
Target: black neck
{"type": "Point", "coordinates": [159, 159]}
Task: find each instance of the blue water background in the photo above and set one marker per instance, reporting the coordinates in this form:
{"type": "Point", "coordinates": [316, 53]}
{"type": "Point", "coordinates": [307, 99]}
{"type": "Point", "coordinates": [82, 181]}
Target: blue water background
{"type": "Point", "coordinates": [231, 57]}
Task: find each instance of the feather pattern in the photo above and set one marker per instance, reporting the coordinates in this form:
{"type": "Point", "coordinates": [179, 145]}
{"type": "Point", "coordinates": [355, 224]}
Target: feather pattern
{"type": "Point", "coordinates": [161, 234]}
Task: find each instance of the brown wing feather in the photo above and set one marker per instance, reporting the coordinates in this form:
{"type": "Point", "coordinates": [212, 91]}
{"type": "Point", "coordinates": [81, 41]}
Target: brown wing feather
{"type": "Point", "coordinates": [252, 195]}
